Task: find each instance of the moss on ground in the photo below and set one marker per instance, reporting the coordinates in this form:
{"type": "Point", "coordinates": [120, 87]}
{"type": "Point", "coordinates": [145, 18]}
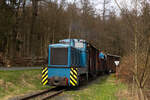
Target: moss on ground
{"type": "Point", "coordinates": [103, 88]}
{"type": "Point", "coordinates": [14, 83]}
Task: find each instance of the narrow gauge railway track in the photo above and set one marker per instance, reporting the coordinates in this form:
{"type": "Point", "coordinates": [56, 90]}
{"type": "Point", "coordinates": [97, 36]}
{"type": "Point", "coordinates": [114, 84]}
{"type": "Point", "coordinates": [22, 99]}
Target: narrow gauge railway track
{"type": "Point", "coordinates": [45, 94]}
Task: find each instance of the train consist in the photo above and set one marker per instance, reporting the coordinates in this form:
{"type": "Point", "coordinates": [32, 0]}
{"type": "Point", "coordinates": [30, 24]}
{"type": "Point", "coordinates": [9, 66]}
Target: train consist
{"type": "Point", "coordinates": [73, 60]}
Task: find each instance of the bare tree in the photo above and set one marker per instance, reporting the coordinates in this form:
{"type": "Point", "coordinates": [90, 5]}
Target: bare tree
{"type": "Point", "coordinates": [105, 3]}
{"type": "Point", "coordinates": [134, 20]}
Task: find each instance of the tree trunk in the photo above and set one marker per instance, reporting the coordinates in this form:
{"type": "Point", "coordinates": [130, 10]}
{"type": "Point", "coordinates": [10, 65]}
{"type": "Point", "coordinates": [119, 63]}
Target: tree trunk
{"type": "Point", "coordinates": [33, 36]}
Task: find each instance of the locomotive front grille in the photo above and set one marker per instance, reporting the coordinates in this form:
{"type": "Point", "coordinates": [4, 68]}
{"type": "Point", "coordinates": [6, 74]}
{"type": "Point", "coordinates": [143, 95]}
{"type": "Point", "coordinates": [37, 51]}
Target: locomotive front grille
{"type": "Point", "coordinates": [59, 56]}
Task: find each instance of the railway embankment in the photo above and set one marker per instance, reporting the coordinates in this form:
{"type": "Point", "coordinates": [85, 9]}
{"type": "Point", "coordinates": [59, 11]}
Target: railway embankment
{"type": "Point", "coordinates": [19, 82]}
{"type": "Point", "coordinates": [103, 88]}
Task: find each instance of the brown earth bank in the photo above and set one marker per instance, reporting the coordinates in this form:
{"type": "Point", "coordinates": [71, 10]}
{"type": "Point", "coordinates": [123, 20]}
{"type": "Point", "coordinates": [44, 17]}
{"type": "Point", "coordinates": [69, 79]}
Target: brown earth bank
{"type": "Point", "coordinates": [126, 73]}
{"type": "Point", "coordinates": [22, 61]}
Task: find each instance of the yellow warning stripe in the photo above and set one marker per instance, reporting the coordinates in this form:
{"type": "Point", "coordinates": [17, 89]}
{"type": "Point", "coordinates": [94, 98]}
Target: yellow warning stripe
{"type": "Point", "coordinates": [72, 83]}
{"type": "Point", "coordinates": [45, 74]}
{"type": "Point", "coordinates": [73, 79]}
{"type": "Point", "coordinates": [73, 75]}
{"type": "Point", "coordinates": [72, 69]}
{"type": "Point", "coordinates": [45, 78]}
{"type": "Point", "coordinates": [45, 82]}
{"type": "Point", "coordinates": [75, 72]}
{"type": "Point", "coordinates": [44, 70]}
{"type": "Point", "coordinates": [77, 69]}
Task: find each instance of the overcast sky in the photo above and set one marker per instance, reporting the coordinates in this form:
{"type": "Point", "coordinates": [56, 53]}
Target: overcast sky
{"type": "Point", "coordinates": [98, 4]}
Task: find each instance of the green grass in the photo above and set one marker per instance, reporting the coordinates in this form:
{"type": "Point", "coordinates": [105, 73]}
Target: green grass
{"type": "Point", "coordinates": [14, 83]}
{"type": "Point", "coordinates": [104, 88]}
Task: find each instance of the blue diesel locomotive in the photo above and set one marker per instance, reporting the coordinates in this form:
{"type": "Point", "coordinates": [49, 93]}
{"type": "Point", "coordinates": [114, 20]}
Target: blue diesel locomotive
{"type": "Point", "coordinates": [69, 62]}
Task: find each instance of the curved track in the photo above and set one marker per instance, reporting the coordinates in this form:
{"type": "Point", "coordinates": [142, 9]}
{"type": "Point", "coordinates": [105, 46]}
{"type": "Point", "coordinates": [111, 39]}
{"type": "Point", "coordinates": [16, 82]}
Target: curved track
{"type": "Point", "coordinates": [45, 94]}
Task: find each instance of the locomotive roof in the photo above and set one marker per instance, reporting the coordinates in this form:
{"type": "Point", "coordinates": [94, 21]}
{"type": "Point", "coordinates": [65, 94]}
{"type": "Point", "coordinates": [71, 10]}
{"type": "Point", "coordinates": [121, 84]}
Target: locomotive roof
{"type": "Point", "coordinates": [58, 45]}
{"type": "Point", "coordinates": [76, 40]}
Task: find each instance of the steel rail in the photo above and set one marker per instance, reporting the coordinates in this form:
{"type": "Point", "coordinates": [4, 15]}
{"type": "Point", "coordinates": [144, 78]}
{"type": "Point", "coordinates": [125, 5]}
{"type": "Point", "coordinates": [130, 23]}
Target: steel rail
{"type": "Point", "coordinates": [53, 95]}
{"type": "Point", "coordinates": [38, 94]}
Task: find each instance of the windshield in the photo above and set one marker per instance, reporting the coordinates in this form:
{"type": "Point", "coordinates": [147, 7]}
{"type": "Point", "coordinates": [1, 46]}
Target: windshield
{"type": "Point", "coordinates": [59, 56]}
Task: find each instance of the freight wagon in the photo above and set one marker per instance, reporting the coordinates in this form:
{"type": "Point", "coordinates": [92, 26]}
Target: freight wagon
{"type": "Point", "coordinates": [112, 62]}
